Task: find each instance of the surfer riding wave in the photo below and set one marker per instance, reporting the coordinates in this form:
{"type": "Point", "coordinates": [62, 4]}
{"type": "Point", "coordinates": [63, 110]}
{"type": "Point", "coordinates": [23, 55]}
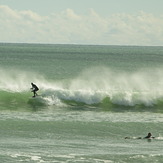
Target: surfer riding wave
{"type": "Point", "coordinates": [34, 89]}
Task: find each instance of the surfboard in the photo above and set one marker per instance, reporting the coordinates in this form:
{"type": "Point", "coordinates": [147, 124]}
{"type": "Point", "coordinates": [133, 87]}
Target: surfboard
{"type": "Point", "coordinates": [36, 96]}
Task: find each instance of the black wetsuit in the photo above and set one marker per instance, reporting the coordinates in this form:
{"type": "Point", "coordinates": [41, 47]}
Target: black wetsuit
{"type": "Point", "coordinates": [35, 89]}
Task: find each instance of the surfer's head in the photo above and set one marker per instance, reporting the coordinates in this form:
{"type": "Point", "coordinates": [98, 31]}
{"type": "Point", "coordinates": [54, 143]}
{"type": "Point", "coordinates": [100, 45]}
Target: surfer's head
{"type": "Point", "coordinates": [149, 134]}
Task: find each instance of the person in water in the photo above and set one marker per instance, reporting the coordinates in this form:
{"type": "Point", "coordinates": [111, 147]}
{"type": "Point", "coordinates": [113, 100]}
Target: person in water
{"type": "Point", "coordinates": [34, 89]}
{"type": "Point", "coordinates": [149, 136]}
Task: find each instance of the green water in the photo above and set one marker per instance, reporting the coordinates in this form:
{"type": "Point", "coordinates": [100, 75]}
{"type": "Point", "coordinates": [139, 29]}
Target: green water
{"type": "Point", "coordinates": [90, 99]}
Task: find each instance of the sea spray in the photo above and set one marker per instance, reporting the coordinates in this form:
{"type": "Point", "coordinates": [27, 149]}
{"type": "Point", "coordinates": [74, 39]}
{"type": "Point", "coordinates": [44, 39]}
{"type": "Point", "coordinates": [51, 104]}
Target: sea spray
{"type": "Point", "coordinates": [91, 87]}
{"type": "Point", "coordinates": [17, 81]}
{"type": "Point", "coordinates": [121, 87]}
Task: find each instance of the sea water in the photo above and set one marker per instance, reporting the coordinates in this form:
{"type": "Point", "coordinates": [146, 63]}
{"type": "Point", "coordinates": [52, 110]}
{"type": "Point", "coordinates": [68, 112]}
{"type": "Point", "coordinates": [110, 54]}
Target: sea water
{"type": "Point", "coordinates": [90, 98]}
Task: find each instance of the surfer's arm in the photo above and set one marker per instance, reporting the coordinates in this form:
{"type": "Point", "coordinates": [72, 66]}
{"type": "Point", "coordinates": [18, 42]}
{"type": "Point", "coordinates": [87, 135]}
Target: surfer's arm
{"type": "Point", "coordinates": [32, 89]}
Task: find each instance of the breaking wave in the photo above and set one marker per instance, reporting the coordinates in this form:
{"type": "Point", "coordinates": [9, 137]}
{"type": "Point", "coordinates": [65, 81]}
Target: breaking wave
{"type": "Point", "coordinates": [95, 88]}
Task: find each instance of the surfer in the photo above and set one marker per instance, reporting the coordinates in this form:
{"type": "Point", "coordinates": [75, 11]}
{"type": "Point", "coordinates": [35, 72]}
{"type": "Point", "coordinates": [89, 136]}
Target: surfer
{"type": "Point", "coordinates": [149, 136]}
{"type": "Point", "coordinates": [34, 89]}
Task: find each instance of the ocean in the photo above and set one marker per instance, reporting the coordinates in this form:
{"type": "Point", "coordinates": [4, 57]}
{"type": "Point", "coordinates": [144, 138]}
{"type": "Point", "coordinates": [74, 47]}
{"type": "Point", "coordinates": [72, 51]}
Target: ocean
{"type": "Point", "coordinates": [90, 98]}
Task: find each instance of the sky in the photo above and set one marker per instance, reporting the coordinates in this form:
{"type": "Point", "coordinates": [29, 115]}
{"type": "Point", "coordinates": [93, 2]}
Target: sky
{"type": "Point", "coordinates": [95, 22]}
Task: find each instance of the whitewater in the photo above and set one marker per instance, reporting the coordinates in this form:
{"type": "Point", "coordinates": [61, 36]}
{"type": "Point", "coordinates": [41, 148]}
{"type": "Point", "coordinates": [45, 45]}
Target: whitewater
{"type": "Point", "coordinates": [123, 89]}
{"type": "Point", "coordinates": [90, 99]}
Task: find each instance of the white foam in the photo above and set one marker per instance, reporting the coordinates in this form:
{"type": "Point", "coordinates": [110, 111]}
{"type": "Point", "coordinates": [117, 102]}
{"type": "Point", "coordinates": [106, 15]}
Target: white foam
{"type": "Point", "coordinates": [35, 158]}
{"type": "Point", "coordinates": [123, 88]}
{"type": "Point", "coordinates": [91, 86]}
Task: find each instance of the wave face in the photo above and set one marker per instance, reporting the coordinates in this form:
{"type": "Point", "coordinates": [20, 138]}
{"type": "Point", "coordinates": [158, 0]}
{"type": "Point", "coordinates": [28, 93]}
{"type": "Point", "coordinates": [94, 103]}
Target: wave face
{"type": "Point", "coordinates": [108, 90]}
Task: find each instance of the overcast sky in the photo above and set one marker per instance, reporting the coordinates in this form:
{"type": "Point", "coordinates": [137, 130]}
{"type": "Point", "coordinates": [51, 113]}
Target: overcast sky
{"type": "Point", "coordinates": [109, 22]}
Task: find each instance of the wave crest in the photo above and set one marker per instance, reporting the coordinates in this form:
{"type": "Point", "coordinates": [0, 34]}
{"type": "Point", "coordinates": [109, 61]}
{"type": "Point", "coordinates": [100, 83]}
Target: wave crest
{"type": "Point", "coordinates": [96, 87]}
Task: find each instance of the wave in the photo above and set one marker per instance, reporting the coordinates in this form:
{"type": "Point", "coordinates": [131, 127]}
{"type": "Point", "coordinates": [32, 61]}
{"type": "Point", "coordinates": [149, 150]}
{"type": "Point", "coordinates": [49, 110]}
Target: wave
{"type": "Point", "coordinates": [81, 99]}
{"type": "Point", "coordinates": [94, 88]}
